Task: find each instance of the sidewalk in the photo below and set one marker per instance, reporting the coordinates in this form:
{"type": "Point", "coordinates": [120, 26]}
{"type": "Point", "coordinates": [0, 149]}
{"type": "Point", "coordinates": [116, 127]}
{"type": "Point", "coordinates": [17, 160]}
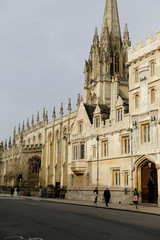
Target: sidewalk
{"type": "Point", "coordinates": [155, 210]}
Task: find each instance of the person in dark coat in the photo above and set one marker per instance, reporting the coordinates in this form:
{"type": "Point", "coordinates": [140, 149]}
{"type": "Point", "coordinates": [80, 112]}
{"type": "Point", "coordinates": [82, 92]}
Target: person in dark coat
{"type": "Point", "coordinates": [12, 191]}
{"type": "Point", "coordinates": [95, 192]}
{"type": "Point", "coordinates": [107, 196]}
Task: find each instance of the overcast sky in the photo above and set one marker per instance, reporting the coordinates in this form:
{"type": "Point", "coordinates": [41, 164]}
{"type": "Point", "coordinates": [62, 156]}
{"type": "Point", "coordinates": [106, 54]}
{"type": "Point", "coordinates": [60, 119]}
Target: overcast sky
{"type": "Point", "coordinates": [43, 47]}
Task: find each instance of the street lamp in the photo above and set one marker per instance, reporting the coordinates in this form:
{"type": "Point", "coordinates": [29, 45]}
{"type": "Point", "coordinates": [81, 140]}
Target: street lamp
{"type": "Point", "coordinates": [131, 141]}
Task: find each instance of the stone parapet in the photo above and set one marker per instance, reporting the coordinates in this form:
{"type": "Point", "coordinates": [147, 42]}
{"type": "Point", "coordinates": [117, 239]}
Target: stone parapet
{"type": "Point", "coordinates": [142, 50]}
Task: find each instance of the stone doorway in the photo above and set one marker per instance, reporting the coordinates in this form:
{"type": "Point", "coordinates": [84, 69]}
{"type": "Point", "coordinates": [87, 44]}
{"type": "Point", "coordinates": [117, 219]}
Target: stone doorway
{"type": "Point", "coordinates": [149, 183]}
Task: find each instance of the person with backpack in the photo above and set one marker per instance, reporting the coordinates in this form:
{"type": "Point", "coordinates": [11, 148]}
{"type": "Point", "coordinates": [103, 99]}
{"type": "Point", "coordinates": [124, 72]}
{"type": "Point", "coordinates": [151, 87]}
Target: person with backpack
{"type": "Point", "coordinates": [135, 198]}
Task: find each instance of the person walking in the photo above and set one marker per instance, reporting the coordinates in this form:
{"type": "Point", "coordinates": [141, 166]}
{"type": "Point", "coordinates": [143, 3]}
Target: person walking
{"type": "Point", "coordinates": [12, 191]}
{"type": "Point", "coordinates": [107, 196]}
{"type": "Point", "coordinates": [135, 198]}
{"type": "Point", "coordinates": [95, 192]}
{"type": "Point", "coordinates": [18, 191]}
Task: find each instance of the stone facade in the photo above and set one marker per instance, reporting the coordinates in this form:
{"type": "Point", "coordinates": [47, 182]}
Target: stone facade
{"type": "Point", "coordinates": [144, 97]}
{"type": "Point", "coordinates": [113, 137]}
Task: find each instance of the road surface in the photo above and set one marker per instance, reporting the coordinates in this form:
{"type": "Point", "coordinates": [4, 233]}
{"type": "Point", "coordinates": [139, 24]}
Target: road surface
{"type": "Point", "coordinates": [28, 219]}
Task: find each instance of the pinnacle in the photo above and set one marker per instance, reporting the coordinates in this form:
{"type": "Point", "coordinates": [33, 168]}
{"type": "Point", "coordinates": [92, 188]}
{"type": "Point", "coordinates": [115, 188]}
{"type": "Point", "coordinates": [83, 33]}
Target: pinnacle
{"type": "Point", "coordinates": [126, 36]}
{"type": "Point", "coordinates": [95, 39]}
{"type": "Point", "coordinates": [111, 18]}
{"type": "Point", "coordinates": [96, 32]}
{"type": "Point", "coordinates": [126, 28]}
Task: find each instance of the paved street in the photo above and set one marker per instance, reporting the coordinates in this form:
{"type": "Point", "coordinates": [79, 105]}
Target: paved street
{"type": "Point", "coordinates": [28, 219]}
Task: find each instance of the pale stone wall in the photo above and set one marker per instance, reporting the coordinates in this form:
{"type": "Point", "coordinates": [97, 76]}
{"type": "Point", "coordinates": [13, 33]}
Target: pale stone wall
{"type": "Point", "coordinates": [147, 111]}
{"type": "Point", "coordinates": [81, 184]}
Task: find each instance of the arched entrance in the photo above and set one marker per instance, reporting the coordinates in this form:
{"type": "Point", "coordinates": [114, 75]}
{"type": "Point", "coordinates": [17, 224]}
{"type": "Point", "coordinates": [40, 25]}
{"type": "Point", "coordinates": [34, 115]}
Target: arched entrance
{"type": "Point", "coordinates": [149, 183]}
{"type": "Point", "coordinates": [146, 179]}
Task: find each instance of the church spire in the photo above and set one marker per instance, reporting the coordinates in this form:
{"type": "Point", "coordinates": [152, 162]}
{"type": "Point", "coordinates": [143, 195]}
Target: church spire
{"type": "Point", "coordinates": [111, 18]}
{"type": "Point", "coordinates": [107, 59]}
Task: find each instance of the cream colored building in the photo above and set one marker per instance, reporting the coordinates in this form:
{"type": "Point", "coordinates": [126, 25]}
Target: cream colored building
{"type": "Point", "coordinates": [112, 138]}
{"type": "Point", "coordinates": [144, 99]}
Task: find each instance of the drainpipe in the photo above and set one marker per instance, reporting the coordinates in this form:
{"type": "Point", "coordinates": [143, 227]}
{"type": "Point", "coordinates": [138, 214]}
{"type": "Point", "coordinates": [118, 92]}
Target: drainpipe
{"type": "Point", "coordinates": [131, 141]}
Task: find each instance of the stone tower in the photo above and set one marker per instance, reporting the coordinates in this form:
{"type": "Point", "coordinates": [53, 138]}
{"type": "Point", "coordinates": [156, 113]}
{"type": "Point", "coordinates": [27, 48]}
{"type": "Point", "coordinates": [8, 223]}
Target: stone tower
{"type": "Point", "coordinates": [107, 59]}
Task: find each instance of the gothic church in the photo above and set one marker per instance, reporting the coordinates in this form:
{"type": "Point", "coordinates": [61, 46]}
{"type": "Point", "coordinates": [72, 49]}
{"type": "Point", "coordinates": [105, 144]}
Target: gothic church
{"type": "Point", "coordinates": [112, 140]}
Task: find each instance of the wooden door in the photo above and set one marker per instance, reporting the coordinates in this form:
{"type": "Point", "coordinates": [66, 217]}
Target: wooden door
{"type": "Point", "coordinates": [149, 183]}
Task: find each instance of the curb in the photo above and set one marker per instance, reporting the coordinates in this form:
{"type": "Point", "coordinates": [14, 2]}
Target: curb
{"type": "Point", "coordinates": [95, 206]}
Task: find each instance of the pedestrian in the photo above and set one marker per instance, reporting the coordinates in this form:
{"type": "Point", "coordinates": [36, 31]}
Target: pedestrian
{"type": "Point", "coordinates": [95, 192]}
{"type": "Point", "coordinates": [18, 191]}
{"type": "Point", "coordinates": [40, 192]}
{"type": "Point", "coordinates": [12, 191]}
{"type": "Point", "coordinates": [135, 197]}
{"type": "Point", "coordinates": [107, 196]}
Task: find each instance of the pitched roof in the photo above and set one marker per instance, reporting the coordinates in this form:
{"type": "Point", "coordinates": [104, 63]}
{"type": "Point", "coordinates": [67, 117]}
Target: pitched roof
{"type": "Point", "coordinates": [91, 108]}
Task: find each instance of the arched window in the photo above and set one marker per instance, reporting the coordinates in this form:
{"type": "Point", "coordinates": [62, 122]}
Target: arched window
{"type": "Point", "coordinates": [34, 165]}
{"type": "Point", "coordinates": [117, 63]}
{"type": "Point", "coordinates": [57, 147]}
{"type": "Point", "coordinates": [49, 147]}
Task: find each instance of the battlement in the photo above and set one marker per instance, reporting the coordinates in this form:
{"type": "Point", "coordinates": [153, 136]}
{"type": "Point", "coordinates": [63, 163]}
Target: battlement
{"type": "Point", "coordinates": [142, 49]}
